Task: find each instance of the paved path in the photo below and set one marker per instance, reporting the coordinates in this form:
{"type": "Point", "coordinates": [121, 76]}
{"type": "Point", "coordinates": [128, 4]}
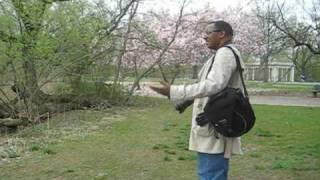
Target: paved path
{"type": "Point", "coordinates": [269, 100]}
{"type": "Point", "coordinates": [286, 100]}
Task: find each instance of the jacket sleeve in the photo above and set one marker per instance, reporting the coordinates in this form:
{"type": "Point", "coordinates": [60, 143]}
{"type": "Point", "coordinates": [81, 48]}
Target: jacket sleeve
{"type": "Point", "coordinates": [222, 69]}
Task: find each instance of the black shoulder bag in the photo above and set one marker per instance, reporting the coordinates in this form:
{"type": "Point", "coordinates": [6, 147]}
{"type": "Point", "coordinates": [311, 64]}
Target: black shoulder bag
{"type": "Point", "coordinates": [229, 112]}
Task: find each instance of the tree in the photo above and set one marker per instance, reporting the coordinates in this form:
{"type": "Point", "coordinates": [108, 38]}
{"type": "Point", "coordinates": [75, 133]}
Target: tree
{"type": "Point", "coordinates": [159, 46]}
{"type": "Point", "coordinates": [305, 30]}
{"type": "Point", "coordinates": [30, 19]}
{"type": "Point", "coordinates": [24, 25]}
{"type": "Point", "coordinates": [42, 40]}
{"type": "Point", "coordinates": [272, 41]}
{"type": "Point", "coordinates": [302, 31]}
{"type": "Point", "coordinates": [302, 59]}
{"type": "Point", "coordinates": [123, 47]}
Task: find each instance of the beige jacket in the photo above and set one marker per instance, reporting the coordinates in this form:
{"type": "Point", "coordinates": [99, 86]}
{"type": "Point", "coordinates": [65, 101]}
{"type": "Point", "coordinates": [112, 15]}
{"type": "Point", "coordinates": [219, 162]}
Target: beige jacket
{"type": "Point", "coordinates": [223, 74]}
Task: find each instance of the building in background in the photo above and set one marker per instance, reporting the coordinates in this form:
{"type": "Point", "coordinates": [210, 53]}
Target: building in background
{"type": "Point", "coordinates": [278, 72]}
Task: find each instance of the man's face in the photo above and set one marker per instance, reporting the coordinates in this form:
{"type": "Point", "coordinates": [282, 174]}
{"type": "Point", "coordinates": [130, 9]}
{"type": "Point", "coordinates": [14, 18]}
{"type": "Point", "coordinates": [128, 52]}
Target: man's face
{"type": "Point", "coordinates": [213, 37]}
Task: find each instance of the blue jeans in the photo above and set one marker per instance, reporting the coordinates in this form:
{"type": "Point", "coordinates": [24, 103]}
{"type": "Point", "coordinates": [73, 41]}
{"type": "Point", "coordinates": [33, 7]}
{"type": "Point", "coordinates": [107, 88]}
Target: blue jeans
{"type": "Point", "coordinates": [212, 166]}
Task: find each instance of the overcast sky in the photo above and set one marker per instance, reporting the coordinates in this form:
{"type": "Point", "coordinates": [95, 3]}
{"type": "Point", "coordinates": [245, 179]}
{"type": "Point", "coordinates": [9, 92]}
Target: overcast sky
{"type": "Point", "coordinates": [173, 5]}
{"type": "Point", "coordinates": [219, 5]}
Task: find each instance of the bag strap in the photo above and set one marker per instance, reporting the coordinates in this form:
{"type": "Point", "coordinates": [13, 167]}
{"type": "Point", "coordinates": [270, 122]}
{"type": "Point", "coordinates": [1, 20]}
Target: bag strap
{"type": "Point", "coordinates": [239, 68]}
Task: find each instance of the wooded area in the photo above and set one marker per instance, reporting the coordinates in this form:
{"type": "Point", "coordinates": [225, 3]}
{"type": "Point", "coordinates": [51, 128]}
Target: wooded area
{"type": "Point", "coordinates": [56, 55]}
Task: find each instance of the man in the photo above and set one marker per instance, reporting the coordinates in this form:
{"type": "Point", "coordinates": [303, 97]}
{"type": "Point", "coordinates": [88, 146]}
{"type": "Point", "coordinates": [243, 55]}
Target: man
{"type": "Point", "coordinates": [213, 150]}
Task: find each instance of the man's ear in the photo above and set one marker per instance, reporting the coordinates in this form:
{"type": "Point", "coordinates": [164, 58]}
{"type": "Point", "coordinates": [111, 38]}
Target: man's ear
{"type": "Point", "coordinates": [222, 34]}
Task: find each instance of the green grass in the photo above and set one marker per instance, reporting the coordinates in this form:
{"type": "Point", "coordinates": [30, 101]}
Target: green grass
{"type": "Point", "coordinates": [284, 144]}
{"type": "Point", "coordinates": [287, 87]}
{"type": "Point", "coordinates": [149, 141]}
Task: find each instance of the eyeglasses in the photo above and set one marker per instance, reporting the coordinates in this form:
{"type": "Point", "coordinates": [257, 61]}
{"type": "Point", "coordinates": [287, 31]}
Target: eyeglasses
{"type": "Point", "coordinates": [209, 32]}
{"type": "Point", "coordinates": [213, 31]}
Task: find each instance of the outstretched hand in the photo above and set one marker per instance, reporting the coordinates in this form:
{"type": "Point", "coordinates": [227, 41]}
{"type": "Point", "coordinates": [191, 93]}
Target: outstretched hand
{"type": "Point", "coordinates": [163, 90]}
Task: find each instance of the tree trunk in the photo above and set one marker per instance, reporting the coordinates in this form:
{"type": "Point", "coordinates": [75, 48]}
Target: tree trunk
{"type": "Point", "coordinates": [30, 73]}
{"type": "Point", "coordinates": [176, 73]}
{"type": "Point", "coordinates": [164, 77]}
{"type": "Point", "coordinates": [124, 45]}
{"type": "Point", "coordinates": [266, 72]}
{"type": "Point", "coordinates": [194, 72]}
{"type": "Point", "coordinates": [136, 71]}
{"type": "Point", "coordinates": [4, 113]}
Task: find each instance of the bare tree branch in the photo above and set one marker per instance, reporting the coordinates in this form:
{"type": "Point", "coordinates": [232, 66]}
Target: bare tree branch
{"type": "Point", "coordinates": [133, 12]}
{"type": "Point", "coordinates": [284, 28]}
{"type": "Point", "coordinates": [163, 51]}
{"type": "Point", "coordinates": [117, 19]}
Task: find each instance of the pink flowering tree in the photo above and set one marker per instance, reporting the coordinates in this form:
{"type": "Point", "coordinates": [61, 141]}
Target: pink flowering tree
{"type": "Point", "coordinates": [150, 40]}
{"type": "Point", "coordinates": [148, 43]}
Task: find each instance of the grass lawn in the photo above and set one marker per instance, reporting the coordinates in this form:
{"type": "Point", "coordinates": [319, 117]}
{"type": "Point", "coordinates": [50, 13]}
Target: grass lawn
{"type": "Point", "coordinates": [149, 141]}
{"type": "Point", "coordinates": [282, 87]}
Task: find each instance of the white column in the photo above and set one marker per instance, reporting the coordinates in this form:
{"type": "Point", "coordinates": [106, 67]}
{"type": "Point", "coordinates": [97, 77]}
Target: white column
{"type": "Point", "coordinates": [275, 72]}
{"type": "Point", "coordinates": [253, 71]}
{"type": "Point", "coordinates": [292, 74]}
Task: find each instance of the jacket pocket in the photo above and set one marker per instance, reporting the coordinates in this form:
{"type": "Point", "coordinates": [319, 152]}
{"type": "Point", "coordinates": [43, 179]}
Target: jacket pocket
{"type": "Point", "coordinates": [203, 131]}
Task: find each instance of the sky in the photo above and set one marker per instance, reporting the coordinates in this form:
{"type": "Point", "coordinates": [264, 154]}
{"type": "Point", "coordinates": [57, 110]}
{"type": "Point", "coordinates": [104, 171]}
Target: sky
{"type": "Point", "coordinates": [173, 5]}
{"type": "Point", "coordinates": [219, 5]}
